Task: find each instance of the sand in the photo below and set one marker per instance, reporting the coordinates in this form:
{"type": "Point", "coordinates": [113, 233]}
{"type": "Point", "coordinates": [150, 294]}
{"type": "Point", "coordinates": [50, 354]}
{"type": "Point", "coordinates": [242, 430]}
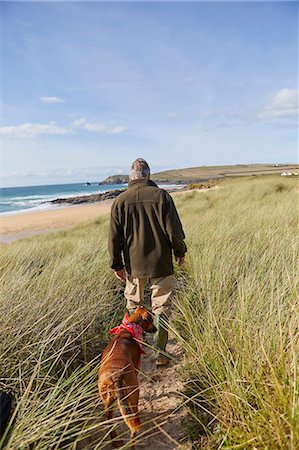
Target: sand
{"type": "Point", "coordinates": [161, 404]}
{"type": "Point", "coordinates": [27, 224]}
{"type": "Point", "coordinates": [30, 223]}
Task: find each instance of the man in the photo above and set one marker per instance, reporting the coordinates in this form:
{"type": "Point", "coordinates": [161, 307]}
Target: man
{"type": "Point", "coordinates": [144, 231]}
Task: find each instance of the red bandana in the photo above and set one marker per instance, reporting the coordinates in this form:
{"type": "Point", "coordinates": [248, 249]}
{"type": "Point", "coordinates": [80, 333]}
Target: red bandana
{"type": "Point", "coordinates": [133, 328]}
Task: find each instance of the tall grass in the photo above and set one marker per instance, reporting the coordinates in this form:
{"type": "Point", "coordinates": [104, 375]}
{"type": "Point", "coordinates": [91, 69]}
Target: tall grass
{"type": "Point", "coordinates": [58, 300]}
{"type": "Point", "coordinates": [236, 316]}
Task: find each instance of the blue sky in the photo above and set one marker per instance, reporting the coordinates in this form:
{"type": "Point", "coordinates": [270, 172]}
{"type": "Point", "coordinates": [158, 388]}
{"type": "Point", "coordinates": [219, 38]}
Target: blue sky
{"type": "Point", "coordinates": [90, 86]}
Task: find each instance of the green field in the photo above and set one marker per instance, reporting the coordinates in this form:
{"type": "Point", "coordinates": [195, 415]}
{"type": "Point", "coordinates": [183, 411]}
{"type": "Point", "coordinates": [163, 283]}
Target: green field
{"type": "Point", "coordinates": [204, 173]}
{"type": "Point", "coordinates": [236, 315]}
{"type": "Point", "coordinates": [210, 172]}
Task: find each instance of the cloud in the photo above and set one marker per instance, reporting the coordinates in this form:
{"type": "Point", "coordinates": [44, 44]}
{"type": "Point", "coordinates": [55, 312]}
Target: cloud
{"type": "Point", "coordinates": [79, 122]}
{"type": "Point", "coordinates": [32, 130]}
{"type": "Point", "coordinates": [172, 115]}
{"type": "Point", "coordinates": [281, 111]}
{"type": "Point", "coordinates": [51, 99]}
{"type": "Point", "coordinates": [61, 175]}
{"type": "Point", "coordinates": [117, 130]}
{"type": "Point", "coordinates": [98, 127]}
{"type": "Point", "coordinates": [282, 104]}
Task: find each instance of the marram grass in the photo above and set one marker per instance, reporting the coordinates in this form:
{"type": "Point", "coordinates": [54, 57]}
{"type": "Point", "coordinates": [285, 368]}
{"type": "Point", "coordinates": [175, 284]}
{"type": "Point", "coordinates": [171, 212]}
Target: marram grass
{"type": "Point", "coordinates": [236, 316]}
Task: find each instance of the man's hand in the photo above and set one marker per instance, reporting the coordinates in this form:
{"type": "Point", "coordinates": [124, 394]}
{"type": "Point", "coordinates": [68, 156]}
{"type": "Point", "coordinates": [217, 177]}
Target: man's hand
{"type": "Point", "coordinates": [120, 275]}
{"type": "Point", "coordinates": [180, 260]}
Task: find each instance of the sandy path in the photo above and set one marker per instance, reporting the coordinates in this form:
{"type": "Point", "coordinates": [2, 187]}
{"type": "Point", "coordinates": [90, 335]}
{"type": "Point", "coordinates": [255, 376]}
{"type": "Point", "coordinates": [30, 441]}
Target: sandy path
{"type": "Point", "coordinates": [160, 403]}
{"type": "Point", "coordinates": [160, 407]}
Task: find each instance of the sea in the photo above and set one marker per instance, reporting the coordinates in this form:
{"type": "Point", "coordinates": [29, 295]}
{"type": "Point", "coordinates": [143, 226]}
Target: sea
{"type": "Point", "coordinates": [14, 200]}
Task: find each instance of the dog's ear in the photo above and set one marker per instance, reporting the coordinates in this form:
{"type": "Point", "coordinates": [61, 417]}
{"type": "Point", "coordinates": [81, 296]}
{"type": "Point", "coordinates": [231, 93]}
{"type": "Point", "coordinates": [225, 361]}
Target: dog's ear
{"type": "Point", "coordinates": [137, 315]}
{"type": "Point", "coordinates": [147, 315]}
{"type": "Point", "coordinates": [144, 318]}
{"type": "Point", "coordinates": [147, 319]}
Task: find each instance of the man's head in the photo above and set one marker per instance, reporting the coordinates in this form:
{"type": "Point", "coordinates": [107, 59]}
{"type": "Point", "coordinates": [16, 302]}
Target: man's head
{"type": "Point", "coordinates": [140, 170]}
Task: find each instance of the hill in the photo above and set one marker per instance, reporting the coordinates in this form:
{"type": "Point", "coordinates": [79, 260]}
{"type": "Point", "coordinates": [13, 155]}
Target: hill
{"type": "Point", "coordinates": [204, 173]}
{"type": "Point", "coordinates": [115, 179]}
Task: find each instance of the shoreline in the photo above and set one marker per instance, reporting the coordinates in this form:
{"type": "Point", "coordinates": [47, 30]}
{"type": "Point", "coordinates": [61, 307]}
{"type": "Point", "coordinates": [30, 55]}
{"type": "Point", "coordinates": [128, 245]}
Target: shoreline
{"type": "Point", "coordinates": [75, 199]}
{"type": "Point", "coordinates": [26, 224]}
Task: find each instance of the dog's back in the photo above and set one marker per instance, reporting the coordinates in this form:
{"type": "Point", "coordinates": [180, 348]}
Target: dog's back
{"type": "Point", "coordinates": [118, 379]}
{"type": "Point", "coordinates": [118, 370]}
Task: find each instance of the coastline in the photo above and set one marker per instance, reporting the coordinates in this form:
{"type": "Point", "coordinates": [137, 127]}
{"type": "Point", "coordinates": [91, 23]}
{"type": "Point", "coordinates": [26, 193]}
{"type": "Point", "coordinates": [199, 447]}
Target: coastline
{"type": "Point", "coordinates": [64, 214]}
{"type": "Point", "coordinates": [29, 223]}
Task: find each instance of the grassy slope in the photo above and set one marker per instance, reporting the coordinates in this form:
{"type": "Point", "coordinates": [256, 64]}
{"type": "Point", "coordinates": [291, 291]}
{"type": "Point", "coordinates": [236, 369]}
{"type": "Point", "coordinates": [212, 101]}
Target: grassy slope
{"type": "Point", "coordinates": [210, 172]}
{"type": "Point", "coordinates": [239, 313]}
{"type": "Point", "coordinates": [236, 317]}
{"type": "Point", "coordinates": [215, 172]}
{"type": "Point", "coordinates": [58, 301]}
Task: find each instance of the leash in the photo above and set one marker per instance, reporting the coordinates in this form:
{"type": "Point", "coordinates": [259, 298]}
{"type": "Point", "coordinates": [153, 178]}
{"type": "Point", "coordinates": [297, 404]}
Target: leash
{"type": "Point", "coordinates": [133, 328]}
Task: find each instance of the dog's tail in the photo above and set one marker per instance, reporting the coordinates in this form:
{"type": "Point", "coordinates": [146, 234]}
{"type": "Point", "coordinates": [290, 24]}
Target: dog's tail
{"type": "Point", "coordinates": [127, 402]}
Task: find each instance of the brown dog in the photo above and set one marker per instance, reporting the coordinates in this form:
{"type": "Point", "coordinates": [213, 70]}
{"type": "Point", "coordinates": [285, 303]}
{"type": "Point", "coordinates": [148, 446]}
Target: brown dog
{"type": "Point", "coordinates": [119, 367]}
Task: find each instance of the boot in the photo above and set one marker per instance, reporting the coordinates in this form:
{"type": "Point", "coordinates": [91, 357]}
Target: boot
{"type": "Point", "coordinates": [160, 339]}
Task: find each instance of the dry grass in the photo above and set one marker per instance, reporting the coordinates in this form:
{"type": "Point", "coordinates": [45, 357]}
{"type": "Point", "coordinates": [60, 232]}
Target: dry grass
{"type": "Point", "coordinates": [238, 315]}
{"type": "Point", "coordinates": [236, 318]}
{"type": "Point", "coordinates": [210, 172]}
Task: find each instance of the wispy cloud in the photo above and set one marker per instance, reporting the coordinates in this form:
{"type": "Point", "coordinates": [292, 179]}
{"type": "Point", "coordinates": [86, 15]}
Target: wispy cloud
{"type": "Point", "coordinates": [79, 174]}
{"type": "Point", "coordinates": [33, 130]}
{"type": "Point", "coordinates": [51, 99]}
{"type": "Point", "coordinates": [93, 174]}
{"type": "Point", "coordinates": [98, 127]}
{"type": "Point", "coordinates": [117, 130]}
{"type": "Point", "coordinates": [282, 104]}
{"type": "Point", "coordinates": [172, 115]}
{"type": "Point", "coordinates": [280, 110]}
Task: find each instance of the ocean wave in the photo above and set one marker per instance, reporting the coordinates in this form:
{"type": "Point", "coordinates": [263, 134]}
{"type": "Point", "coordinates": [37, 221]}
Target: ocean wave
{"type": "Point", "coordinates": [20, 204]}
{"type": "Point", "coordinates": [43, 207]}
{"type": "Point", "coordinates": [49, 197]}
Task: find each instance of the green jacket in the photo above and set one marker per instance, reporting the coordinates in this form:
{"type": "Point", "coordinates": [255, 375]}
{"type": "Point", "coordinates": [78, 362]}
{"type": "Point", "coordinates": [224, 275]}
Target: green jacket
{"type": "Point", "coordinates": [144, 229]}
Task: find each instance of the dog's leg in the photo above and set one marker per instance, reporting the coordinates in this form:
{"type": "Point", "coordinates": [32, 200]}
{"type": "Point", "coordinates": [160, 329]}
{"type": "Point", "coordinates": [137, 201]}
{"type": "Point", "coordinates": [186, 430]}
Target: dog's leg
{"type": "Point", "coordinates": [108, 399]}
{"type": "Point", "coordinates": [133, 438]}
{"type": "Point", "coordinates": [128, 396]}
{"type": "Point", "coordinates": [133, 421]}
{"type": "Point", "coordinates": [109, 416]}
{"type": "Point", "coordinates": [116, 443]}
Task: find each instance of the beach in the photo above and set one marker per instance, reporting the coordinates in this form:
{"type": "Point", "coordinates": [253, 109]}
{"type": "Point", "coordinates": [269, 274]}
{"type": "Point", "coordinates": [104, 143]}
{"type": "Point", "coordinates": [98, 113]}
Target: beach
{"type": "Point", "coordinates": [29, 223]}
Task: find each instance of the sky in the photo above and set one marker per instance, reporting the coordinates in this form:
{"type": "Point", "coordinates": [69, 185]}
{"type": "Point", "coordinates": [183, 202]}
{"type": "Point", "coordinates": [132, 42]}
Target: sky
{"type": "Point", "coordinates": [87, 87]}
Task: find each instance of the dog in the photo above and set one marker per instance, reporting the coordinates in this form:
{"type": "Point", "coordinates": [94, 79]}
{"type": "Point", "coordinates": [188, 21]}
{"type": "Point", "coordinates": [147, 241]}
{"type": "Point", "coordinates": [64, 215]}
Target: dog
{"type": "Point", "coordinates": [119, 367]}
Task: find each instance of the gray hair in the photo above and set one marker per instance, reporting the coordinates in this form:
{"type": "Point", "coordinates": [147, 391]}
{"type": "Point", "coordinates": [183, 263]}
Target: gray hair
{"type": "Point", "coordinates": [140, 170]}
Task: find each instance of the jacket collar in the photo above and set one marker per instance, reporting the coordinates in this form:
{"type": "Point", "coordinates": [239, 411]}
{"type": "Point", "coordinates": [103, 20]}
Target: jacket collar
{"type": "Point", "coordinates": [141, 182]}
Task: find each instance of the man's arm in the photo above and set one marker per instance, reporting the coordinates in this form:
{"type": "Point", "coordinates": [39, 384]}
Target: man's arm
{"type": "Point", "coordinates": [115, 241]}
{"type": "Point", "coordinates": [174, 230]}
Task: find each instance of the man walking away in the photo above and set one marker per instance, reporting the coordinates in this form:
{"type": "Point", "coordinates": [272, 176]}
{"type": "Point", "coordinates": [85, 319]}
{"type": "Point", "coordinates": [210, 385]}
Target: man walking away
{"type": "Point", "coordinates": [145, 232]}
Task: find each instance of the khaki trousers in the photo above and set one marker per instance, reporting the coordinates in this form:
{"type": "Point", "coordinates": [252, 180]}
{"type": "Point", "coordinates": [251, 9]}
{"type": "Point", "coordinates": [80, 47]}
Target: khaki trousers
{"type": "Point", "coordinates": [161, 288]}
